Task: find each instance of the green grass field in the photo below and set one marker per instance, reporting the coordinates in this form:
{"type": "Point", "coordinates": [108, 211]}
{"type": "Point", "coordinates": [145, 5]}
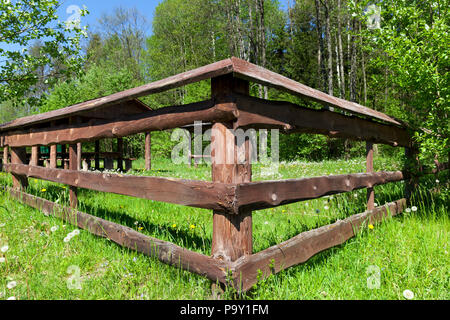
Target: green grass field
{"type": "Point", "coordinates": [410, 251]}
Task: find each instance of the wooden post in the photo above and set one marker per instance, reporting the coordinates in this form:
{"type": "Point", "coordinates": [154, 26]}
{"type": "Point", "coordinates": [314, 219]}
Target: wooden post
{"type": "Point", "coordinates": [97, 155]}
{"type": "Point", "coordinates": [73, 165]}
{"type": "Point", "coordinates": [369, 169]}
{"type": "Point", "coordinates": [79, 154]}
{"type": "Point", "coordinates": [53, 156]}
{"type": "Point", "coordinates": [34, 156]}
{"type": "Point", "coordinates": [232, 233]}
{"type": "Point", "coordinates": [5, 155]}
{"type": "Point", "coordinates": [19, 156]}
{"type": "Point", "coordinates": [411, 168]}
{"type": "Point", "coordinates": [120, 151]}
{"type": "Point", "coordinates": [53, 151]}
{"type": "Point", "coordinates": [108, 163]}
{"type": "Point", "coordinates": [148, 151]}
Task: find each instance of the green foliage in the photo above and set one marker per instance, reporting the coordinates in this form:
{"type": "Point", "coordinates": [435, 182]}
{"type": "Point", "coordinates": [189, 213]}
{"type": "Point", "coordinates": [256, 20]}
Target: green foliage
{"type": "Point", "coordinates": [23, 22]}
{"type": "Point", "coordinates": [414, 37]}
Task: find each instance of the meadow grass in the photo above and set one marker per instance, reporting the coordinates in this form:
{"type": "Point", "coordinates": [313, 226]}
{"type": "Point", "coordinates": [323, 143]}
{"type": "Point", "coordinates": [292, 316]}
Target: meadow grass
{"type": "Point", "coordinates": [411, 251]}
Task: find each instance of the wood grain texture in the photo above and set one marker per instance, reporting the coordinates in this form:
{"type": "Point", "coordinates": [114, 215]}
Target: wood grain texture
{"type": "Point", "coordinates": [200, 194]}
{"type": "Point", "coordinates": [164, 251]}
{"type": "Point", "coordinates": [148, 151]}
{"type": "Point", "coordinates": [289, 117]}
{"type": "Point", "coordinates": [369, 169]}
{"type": "Point", "coordinates": [19, 156]}
{"type": "Point", "coordinates": [302, 247]}
{"type": "Point", "coordinates": [237, 67]}
{"type": "Point", "coordinates": [254, 73]}
{"type": "Point", "coordinates": [267, 194]}
{"type": "Point", "coordinates": [202, 73]}
{"type": "Point", "coordinates": [232, 230]}
{"type": "Point", "coordinates": [161, 119]}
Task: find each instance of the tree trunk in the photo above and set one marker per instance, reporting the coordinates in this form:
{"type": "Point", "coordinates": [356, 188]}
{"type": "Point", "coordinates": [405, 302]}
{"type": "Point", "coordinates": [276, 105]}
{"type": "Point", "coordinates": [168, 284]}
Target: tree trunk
{"type": "Point", "coordinates": [341, 53]}
{"type": "Point", "coordinates": [321, 50]}
{"type": "Point", "coordinates": [329, 48]}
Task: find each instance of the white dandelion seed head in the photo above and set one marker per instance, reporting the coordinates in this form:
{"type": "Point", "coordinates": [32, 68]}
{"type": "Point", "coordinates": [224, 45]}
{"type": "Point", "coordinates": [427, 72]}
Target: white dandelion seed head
{"type": "Point", "coordinates": [326, 207]}
{"type": "Point", "coordinates": [75, 232]}
{"type": "Point", "coordinates": [67, 239]}
{"type": "Point", "coordinates": [414, 208]}
{"type": "Point", "coordinates": [11, 298]}
{"type": "Point", "coordinates": [11, 284]}
{"type": "Point", "coordinates": [2, 260]}
{"type": "Point", "coordinates": [4, 249]}
{"type": "Point", "coordinates": [355, 195]}
{"type": "Point", "coordinates": [375, 204]}
{"type": "Point", "coordinates": [437, 181]}
{"type": "Point", "coordinates": [54, 228]}
{"type": "Point", "coordinates": [266, 222]}
{"type": "Point", "coordinates": [408, 294]}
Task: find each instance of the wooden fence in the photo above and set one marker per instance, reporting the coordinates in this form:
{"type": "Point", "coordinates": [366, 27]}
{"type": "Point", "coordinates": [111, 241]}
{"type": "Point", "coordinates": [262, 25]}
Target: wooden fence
{"type": "Point", "coordinates": [231, 195]}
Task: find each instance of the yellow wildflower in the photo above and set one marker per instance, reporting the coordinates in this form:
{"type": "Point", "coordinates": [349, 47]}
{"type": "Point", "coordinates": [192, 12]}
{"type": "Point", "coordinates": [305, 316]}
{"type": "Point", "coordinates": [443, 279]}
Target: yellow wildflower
{"type": "Point", "coordinates": [43, 190]}
{"type": "Point", "coordinates": [371, 226]}
{"type": "Point", "coordinates": [192, 226]}
{"type": "Point", "coordinates": [174, 225]}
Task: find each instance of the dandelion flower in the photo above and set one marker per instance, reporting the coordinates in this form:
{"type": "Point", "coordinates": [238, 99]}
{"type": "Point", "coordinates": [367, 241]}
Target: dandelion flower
{"type": "Point", "coordinates": [54, 228]}
{"type": "Point", "coordinates": [141, 228]}
{"type": "Point", "coordinates": [283, 211]}
{"type": "Point", "coordinates": [408, 294]}
{"type": "Point", "coordinates": [413, 208]}
{"type": "Point", "coordinates": [370, 226]}
{"type": "Point", "coordinates": [437, 181]}
{"type": "Point", "coordinates": [11, 298]}
{"type": "Point", "coordinates": [11, 284]}
{"type": "Point", "coordinates": [76, 232]}
{"type": "Point", "coordinates": [266, 222]}
{"type": "Point", "coordinates": [43, 190]}
{"type": "Point", "coordinates": [192, 226]}
{"type": "Point", "coordinates": [174, 225]}
{"type": "Point", "coordinates": [408, 210]}
{"type": "Point", "coordinates": [4, 249]}
{"type": "Point", "coordinates": [2, 260]}
{"type": "Point", "coordinates": [67, 239]}
{"type": "Point", "coordinates": [326, 207]}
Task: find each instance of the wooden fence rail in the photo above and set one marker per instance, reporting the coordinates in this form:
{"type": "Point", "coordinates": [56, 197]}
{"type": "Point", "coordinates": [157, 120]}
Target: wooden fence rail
{"type": "Point", "coordinates": [231, 195]}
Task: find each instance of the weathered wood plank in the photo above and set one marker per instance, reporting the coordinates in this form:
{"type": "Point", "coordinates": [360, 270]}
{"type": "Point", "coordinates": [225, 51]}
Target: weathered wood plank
{"type": "Point", "coordinates": [148, 151]}
{"type": "Point", "coordinates": [19, 156]}
{"type": "Point", "coordinates": [200, 194]}
{"type": "Point", "coordinates": [232, 231]}
{"type": "Point", "coordinates": [251, 72]}
{"type": "Point", "coordinates": [202, 73]}
{"type": "Point", "coordinates": [164, 251]}
{"type": "Point", "coordinates": [369, 169]}
{"type": "Point", "coordinates": [302, 247]}
{"type": "Point", "coordinates": [267, 194]}
{"type": "Point", "coordinates": [161, 119]}
{"type": "Point", "coordinates": [73, 166]}
{"type": "Point", "coordinates": [259, 113]}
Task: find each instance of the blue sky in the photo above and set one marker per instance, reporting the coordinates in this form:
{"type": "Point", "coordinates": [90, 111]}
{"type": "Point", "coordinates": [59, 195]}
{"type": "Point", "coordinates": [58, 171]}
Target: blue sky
{"type": "Point", "coordinates": [98, 7]}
